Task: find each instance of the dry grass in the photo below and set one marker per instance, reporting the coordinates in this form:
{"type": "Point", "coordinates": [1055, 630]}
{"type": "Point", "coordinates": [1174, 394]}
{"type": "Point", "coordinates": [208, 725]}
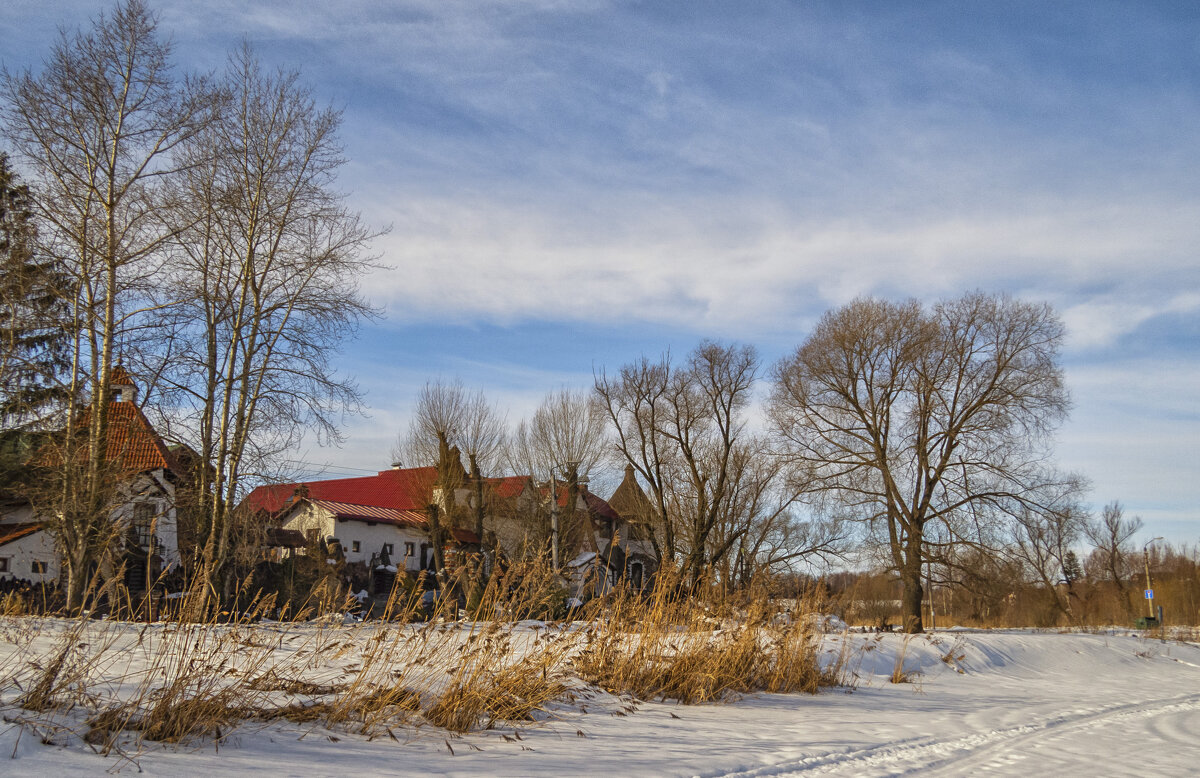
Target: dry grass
{"type": "Point", "coordinates": [694, 651]}
{"type": "Point", "coordinates": [899, 673]}
{"type": "Point", "coordinates": [202, 674]}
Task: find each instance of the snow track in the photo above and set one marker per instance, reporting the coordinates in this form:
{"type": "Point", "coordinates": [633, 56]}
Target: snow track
{"type": "Point", "coordinates": [1024, 749]}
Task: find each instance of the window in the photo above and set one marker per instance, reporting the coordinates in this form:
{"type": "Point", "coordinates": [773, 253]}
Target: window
{"type": "Point", "coordinates": [409, 549]}
{"type": "Point", "coordinates": [143, 517]}
{"type": "Point", "coordinates": [38, 566]}
{"type": "Point", "coordinates": [389, 549]}
{"type": "Point", "coordinates": [312, 534]}
{"type": "Point", "coordinates": [355, 546]}
{"type": "Point", "coordinates": [3, 564]}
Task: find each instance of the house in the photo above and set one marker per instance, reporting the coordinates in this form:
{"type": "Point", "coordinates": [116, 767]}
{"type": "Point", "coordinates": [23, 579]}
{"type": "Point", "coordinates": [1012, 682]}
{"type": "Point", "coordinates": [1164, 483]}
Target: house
{"type": "Point", "coordinates": [626, 553]}
{"type": "Point", "coordinates": [145, 476]}
{"type": "Point", "coordinates": [385, 516]}
{"type": "Point", "coordinates": [631, 552]}
{"type": "Point", "coordinates": [368, 516]}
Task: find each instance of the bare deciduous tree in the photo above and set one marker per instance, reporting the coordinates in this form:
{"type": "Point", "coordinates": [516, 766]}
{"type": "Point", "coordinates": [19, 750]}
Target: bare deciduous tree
{"type": "Point", "coordinates": [925, 423]}
{"type": "Point", "coordinates": [563, 439]}
{"type": "Point", "coordinates": [269, 269]}
{"type": "Point", "coordinates": [99, 127]}
{"type": "Point", "coordinates": [682, 429]}
{"type": "Point", "coordinates": [1110, 535]}
{"type": "Point", "coordinates": [447, 419]}
{"type": "Point", "coordinates": [1042, 541]}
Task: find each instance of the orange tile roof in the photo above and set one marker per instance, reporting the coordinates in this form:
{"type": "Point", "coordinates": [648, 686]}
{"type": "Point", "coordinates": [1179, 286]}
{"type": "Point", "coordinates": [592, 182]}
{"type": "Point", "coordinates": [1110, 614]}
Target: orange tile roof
{"type": "Point", "coordinates": [508, 487]}
{"type": "Point", "coordinates": [120, 376]}
{"type": "Point", "coordinates": [11, 532]}
{"type": "Point", "coordinates": [132, 442]}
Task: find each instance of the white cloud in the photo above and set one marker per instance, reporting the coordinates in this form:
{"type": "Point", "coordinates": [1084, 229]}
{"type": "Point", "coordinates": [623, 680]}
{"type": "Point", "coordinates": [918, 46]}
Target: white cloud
{"type": "Point", "coordinates": [721, 263]}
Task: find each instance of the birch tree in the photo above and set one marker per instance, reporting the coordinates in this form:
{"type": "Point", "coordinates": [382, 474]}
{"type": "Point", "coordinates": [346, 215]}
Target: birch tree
{"type": "Point", "coordinates": [270, 269]}
{"type": "Point", "coordinates": [100, 127]}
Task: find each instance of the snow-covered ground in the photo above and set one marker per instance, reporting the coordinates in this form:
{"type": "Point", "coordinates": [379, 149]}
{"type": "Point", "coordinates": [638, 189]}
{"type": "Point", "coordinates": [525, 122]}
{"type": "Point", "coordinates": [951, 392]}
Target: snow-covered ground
{"type": "Point", "coordinates": [990, 703]}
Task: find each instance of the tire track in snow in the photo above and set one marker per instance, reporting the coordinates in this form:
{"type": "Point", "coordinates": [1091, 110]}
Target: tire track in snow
{"type": "Point", "coordinates": [929, 756]}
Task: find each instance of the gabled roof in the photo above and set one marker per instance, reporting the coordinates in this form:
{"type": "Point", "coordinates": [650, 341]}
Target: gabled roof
{"type": "Point", "coordinates": [508, 487]}
{"type": "Point", "coordinates": [344, 510]}
{"type": "Point", "coordinates": [132, 442]}
{"type": "Point", "coordinates": [595, 505]}
{"type": "Point", "coordinates": [119, 376]}
{"type": "Point", "coordinates": [11, 532]}
{"type": "Point", "coordinates": [400, 518]}
{"type": "Point", "coordinates": [407, 489]}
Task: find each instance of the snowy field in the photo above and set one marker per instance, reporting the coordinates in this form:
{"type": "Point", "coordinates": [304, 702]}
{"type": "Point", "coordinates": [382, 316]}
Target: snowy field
{"type": "Point", "coordinates": [977, 703]}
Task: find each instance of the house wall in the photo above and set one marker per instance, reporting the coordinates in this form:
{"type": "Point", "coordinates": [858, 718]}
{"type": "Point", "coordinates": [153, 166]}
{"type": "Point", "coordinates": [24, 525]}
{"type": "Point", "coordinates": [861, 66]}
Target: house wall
{"type": "Point", "coordinates": [306, 516]}
{"type": "Point", "coordinates": [158, 492]}
{"type": "Point", "coordinates": [370, 536]}
{"type": "Point", "coordinates": [21, 554]}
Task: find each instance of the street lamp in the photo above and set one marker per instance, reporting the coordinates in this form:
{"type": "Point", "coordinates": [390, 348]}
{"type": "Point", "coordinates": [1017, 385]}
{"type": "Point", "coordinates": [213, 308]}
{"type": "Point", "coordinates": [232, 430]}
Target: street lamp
{"type": "Point", "coordinates": [1146, 562]}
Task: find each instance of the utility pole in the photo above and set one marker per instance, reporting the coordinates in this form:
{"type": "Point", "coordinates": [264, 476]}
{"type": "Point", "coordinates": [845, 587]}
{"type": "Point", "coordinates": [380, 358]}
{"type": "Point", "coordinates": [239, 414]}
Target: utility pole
{"type": "Point", "coordinates": [1149, 591]}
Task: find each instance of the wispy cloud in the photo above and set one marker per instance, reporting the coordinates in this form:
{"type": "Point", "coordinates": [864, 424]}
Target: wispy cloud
{"type": "Point", "coordinates": [695, 169]}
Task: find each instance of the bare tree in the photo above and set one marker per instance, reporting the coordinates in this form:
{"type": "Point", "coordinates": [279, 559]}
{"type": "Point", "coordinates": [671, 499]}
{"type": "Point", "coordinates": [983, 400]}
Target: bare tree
{"type": "Point", "coordinates": [1042, 541]}
{"type": "Point", "coordinates": [447, 421]}
{"type": "Point", "coordinates": [563, 439]}
{"type": "Point", "coordinates": [99, 127]}
{"type": "Point", "coordinates": [1110, 534]}
{"type": "Point", "coordinates": [270, 269]}
{"type": "Point", "coordinates": [635, 402]}
{"type": "Point", "coordinates": [682, 429]}
{"type": "Point", "coordinates": [761, 529]}
{"type": "Point", "coordinates": [927, 424]}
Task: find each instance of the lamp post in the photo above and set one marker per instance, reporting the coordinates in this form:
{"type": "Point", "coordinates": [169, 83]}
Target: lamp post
{"type": "Point", "coordinates": [1146, 562]}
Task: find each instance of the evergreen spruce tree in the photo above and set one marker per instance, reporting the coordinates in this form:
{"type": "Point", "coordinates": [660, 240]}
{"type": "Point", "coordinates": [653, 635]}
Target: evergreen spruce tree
{"type": "Point", "coordinates": [34, 337]}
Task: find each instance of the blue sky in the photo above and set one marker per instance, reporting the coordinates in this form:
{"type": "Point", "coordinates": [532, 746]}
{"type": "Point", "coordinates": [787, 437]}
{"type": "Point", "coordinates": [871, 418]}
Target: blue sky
{"type": "Point", "coordinates": [572, 184]}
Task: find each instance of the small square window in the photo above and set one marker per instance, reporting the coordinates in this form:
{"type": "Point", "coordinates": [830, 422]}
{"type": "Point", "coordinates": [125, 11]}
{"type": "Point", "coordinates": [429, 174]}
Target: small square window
{"type": "Point", "coordinates": [409, 549]}
{"type": "Point", "coordinates": [38, 566]}
{"type": "Point", "coordinates": [4, 564]}
{"type": "Point", "coordinates": [355, 546]}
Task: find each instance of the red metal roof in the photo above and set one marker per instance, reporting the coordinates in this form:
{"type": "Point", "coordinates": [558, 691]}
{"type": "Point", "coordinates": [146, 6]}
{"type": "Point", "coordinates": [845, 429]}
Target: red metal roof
{"type": "Point", "coordinates": [11, 532]}
{"type": "Point", "coordinates": [343, 510]}
{"type": "Point", "coordinates": [410, 489]}
{"type": "Point", "coordinates": [418, 519]}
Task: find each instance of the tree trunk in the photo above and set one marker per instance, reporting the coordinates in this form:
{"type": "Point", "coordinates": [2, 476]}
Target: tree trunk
{"type": "Point", "coordinates": [435, 534]}
{"type": "Point", "coordinates": [913, 592]}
